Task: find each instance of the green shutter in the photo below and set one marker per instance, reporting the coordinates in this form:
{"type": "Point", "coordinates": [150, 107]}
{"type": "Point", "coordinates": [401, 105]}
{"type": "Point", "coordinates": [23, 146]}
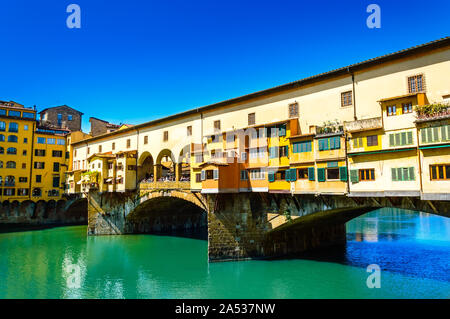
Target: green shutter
{"type": "Point", "coordinates": [403, 138]}
{"type": "Point", "coordinates": [410, 137]}
{"type": "Point", "coordinates": [423, 134]}
{"type": "Point", "coordinates": [337, 142]}
{"type": "Point", "coordinates": [332, 143]}
{"type": "Point", "coordinates": [429, 134]}
{"type": "Point", "coordinates": [321, 144]}
{"type": "Point", "coordinates": [293, 174]}
{"type": "Point", "coordinates": [397, 139]}
{"type": "Point", "coordinates": [435, 134]}
{"type": "Point", "coordinates": [444, 130]}
{"type": "Point", "coordinates": [311, 176]}
{"type": "Point", "coordinates": [321, 174]}
{"type": "Point", "coordinates": [287, 175]}
{"type": "Point", "coordinates": [271, 177]}
{"type": "Point", "coordinates": [391, 140]}
{"type": "Point", "coordinates": [400, 174]}
{"type": "Point", "coordinates": [394, 174]}
{"type": "Point", "coordinates": [287, 150]}
{"type": "Point", "coordinates": [411, 174]}
{"type": "Point", "coordinates": [405, 171]}
{"type": "Point", "coordinates": [343, 173]}
{"type": "Point", "coordinates": [354, 177]}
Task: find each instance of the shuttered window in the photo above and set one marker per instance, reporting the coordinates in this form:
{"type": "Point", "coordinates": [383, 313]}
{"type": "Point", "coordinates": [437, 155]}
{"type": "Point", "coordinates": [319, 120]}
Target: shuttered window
{"type": "Point", "coordinates": [401, 139]}
{"type": "Point", "coordinates": [435, 134]}
{"type": "Point", "coordinates": [367, 174]}
{"type": "Point", "coordinates": [354, 176]}
{"type": "Point", "coordinates": [331, 143]}
{"type": "Point", "coordinates": [440, 172]}
{"type": "Point", "coordinates": [301, 147]}
{"type": "Point", "coordinates": [343, 173]}
{"type": "Point", "coordinates": [216, 174]}
{"type": "Point", "coordinates": [311, 176]}
{"type": "Point", "coordinates": [346, 98]}
{"type": "Point", "coordinates": [372, 140]}
{"type": "Point", "coordinates": [357, 142]}
{"type": "Point", "coordinates": [321, 174]}
{"type": "Point", "coordinates": [271, 176]}
{"type": "Point", "coordinates": [251, 119]}
{"type": "Point", "coordinates": [403, 174]}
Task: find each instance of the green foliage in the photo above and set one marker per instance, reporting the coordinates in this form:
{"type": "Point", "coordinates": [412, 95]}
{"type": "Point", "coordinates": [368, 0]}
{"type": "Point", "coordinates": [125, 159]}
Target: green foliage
{"type": "Point", "coordinates": [432, 109]}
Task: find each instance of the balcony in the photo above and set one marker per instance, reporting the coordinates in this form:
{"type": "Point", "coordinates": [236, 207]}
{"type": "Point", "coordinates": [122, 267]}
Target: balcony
{"type": "Point", "coordinates": [432, 112]}
{"type": "Point", "coordinates": [364, 125]}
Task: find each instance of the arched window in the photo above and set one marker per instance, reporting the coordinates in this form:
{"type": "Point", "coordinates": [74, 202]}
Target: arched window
{"type": "Point", "coordinates": [10, 164]}
{"type": "Point", "coordinates": [2, 150]}
{"type": "Point", "coordinates": [2, 126]}
{"type": "Point", "coordinates": [2, 138]}
{"type": "Point", "coordinates": [12, 138]}
{"type": "Point", "coordinates": [12, 151]}
{"type": "Point", "coordinates": [13, 127]}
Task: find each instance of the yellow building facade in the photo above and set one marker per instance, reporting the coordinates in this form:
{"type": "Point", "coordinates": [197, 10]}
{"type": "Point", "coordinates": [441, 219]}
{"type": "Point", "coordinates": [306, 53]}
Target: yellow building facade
{"type": "Point", "coordinates": [33, 159]}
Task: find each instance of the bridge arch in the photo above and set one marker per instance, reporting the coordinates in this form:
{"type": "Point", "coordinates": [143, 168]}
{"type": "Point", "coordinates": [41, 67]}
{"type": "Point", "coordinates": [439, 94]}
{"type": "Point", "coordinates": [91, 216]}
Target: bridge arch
{"type": "Point", "coordinates": [174, 212]}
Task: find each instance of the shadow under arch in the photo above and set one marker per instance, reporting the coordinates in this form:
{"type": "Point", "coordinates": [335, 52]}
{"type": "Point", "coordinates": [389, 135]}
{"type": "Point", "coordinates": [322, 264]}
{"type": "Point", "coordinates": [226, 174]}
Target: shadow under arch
{"type": "Point", "coordinates": [168, 215]}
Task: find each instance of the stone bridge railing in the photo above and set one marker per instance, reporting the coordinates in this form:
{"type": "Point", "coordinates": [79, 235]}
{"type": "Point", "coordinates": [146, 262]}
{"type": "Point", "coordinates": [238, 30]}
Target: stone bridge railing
{"type": "Point", "coordinates": [165, 185]}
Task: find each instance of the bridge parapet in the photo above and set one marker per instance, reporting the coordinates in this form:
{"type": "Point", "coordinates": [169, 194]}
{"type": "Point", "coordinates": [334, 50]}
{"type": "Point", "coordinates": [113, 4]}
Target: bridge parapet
{"type": "Point", "coordinates": [165, 185]}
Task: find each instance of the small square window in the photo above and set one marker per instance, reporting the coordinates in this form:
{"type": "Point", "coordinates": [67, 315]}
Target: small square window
{"type": "Point", "coordinates": [346, 98]}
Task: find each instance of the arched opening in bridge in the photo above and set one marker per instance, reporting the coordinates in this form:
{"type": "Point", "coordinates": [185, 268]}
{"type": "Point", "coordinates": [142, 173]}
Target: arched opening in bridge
{"type": "Point", "coordinates": [184, 164]}
{"type": "Point", "coordinates": [165, 168]}
{"type": "Point", "coordinates": [145, 169]}
{"type": "Point", "coordinates": [167, 215]}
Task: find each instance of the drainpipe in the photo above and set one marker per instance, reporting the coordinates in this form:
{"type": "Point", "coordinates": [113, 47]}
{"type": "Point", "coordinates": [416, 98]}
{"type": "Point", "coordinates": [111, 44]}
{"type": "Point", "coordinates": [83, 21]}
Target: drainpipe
{"type": "Point", "coordinates": [346, 162]}
{"type": "Point", "coordinates": [420, 162]}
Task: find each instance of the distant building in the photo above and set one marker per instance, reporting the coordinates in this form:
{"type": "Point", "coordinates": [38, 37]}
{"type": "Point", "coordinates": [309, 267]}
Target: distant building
{"type": "Point", "coordinates": [62, 117]}
{"type": "Point", "coordinates": [99, 127]}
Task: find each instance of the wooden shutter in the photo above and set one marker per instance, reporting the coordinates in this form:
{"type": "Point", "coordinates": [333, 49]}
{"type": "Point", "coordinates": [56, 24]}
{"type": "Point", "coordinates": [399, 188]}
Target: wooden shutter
{"type": "Point", "coordinates": [423, 134]}
{"type": "Point", "coordinates": [203, 175]}
{"type": "Point", "coordinates": [321, 174]}
{"type": "Point", "coordinates": [444, 130]}
{"type": "Point", "coordinates": [394, 174]}
{"type": "Point", "coordinates": [403, 138]}
{"type": "Point", "coordinates": [405, 172]}
{"type": "Point", "coordinates": [311, 176]}
{"type": "Point", "coordinates": [343, 173]}
{"type": "Point", "coordinates": [337, 142]}
{"type": "Point", "coordinates": [216, 174]}
{"type": "Point", "coordinates": [354, 177]}
{"type": "Point", "coordinates": [400, 174]}
{"type": "Point", "coordinates": [412, 177]}
{"type": "Point", "coordinates": [391, 140]}
{"type": "Point", "coordinates": [409, 137]}
{"type": "Point", "coordinates": [293, 174]}
{"type": "Point", "coordinates": [271, 176]}
{"type": "Point", "coordinates": [435, 134]}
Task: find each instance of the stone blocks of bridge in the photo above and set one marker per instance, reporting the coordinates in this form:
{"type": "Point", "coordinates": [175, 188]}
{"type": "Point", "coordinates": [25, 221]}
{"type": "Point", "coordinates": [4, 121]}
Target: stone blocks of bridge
{"type": "Point", "coordinates": [61, 212]}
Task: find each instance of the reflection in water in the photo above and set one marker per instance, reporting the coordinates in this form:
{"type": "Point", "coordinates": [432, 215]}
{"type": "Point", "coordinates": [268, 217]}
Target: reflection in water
{"type": "Point", "coordinates": [412, 250]}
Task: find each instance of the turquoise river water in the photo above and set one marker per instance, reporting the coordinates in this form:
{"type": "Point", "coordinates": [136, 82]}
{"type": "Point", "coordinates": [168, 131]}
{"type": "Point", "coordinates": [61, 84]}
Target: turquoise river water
{"type": "Point", "coordinates": [412, 250]}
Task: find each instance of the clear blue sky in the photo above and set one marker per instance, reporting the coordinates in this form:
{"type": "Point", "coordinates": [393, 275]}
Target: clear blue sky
{"type": "Point", "coordinates": [134, 61]}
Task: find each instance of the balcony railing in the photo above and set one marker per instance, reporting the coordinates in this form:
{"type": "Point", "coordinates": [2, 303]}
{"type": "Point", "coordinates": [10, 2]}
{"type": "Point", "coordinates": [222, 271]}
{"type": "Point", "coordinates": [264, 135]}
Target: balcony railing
{"type": "Point", "coordinates": [164, 185]}
{"type": "Point", "coordinates": [364, 125]}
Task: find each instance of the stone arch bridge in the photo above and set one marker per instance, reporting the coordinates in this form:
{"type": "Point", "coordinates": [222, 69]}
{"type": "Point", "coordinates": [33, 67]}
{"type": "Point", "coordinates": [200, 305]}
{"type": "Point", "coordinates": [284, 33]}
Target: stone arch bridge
{"type": "Point", "coordinates": [242, 225]}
